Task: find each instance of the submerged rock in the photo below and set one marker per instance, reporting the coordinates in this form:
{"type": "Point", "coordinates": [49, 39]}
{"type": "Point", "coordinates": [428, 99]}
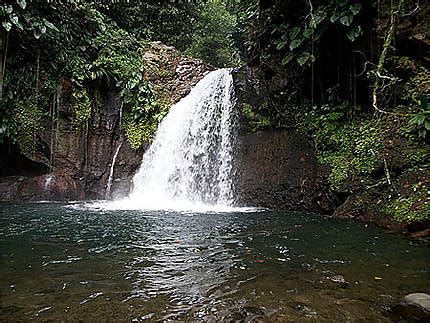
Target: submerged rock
{"type": "Point", "coordinates": [415, 307]}
{"type": "Point", "coordinates": [305, 310]}
{"type": "Point", "coordinates": [338, 279]}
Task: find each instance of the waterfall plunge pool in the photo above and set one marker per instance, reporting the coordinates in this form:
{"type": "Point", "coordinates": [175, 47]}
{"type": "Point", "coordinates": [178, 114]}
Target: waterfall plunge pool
{"type": "Point", "coordinates": [69, 262]}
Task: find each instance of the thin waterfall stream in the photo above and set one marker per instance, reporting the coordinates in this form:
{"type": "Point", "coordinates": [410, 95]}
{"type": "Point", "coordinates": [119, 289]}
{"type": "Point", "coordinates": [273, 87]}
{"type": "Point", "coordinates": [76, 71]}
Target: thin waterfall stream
{"type": "Point", "coordinates": [115, 156]}
{"type": "Point", "coordinates": [111, 171]}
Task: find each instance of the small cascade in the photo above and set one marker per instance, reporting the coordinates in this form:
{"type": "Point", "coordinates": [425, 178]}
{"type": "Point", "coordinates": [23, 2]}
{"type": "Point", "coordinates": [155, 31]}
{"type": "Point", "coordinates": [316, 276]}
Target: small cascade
{"type": "Point", "coordinates": [111, 172]}
{"type": "Point", "coordinates": [114, 157]}
{"type": "Point", "coordinates": [190, 162]}
{"type": "Point", "coordinates": [47, 184]}
{"type": "Point", "coordinates": [54, 112]}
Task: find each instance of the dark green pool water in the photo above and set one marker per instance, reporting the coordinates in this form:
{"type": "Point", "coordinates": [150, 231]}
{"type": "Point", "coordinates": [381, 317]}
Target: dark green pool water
{"type": "Point", "coordinates": [68, 262]}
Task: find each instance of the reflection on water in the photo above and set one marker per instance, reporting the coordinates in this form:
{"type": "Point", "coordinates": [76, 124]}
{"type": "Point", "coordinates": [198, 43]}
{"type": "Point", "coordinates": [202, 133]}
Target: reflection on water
{"type": "Point", "coordinates": [69, 262]}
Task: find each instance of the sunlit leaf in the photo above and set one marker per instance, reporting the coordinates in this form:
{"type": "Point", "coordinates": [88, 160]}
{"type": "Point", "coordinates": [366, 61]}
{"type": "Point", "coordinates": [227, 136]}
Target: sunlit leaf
{"type": "Point", "coordinates": [14, 18]}
{"type": "Point", "coordinates": [319, 16]}
{"type": "Point", "coordinates": [21, 3]}
{"type": "Point", "coordinates": [355, 8]}
{"type": "Point", "coordinates": [420, 118]}
{"type": "Point", "coordinates": [303, 58]}
{"type": "Point", "coordinates": [281, 45]}
{"type": "Point", "coordinates": [294, 32]}
{"type": "Point", "coordinates": [7, 25]}
{"type": "Point", "coordinates": [335, 17]}
{"type": "Point", "coordinates": [296, 43]}
{"type": "Point", "coordinates": [287, 59]}
{"type": "Point", "coordinates": [354, 33]}
{"type": "Point", "coordinates": [346, 20]}
{"type": "Point", "coordinates": [50, 25]}
{"type": "Point", "coordinates": [308, 32]}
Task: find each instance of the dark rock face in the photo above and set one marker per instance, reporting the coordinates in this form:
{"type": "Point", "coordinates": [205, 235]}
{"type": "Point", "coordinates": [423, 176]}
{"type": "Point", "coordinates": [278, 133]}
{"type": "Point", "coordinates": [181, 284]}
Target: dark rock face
{"type": "Point", "coordinates": [60, 187]}
{"type": "Point", "coordinates": [277, 169]}
{"type": "Point", "coordinates": [50, 187]}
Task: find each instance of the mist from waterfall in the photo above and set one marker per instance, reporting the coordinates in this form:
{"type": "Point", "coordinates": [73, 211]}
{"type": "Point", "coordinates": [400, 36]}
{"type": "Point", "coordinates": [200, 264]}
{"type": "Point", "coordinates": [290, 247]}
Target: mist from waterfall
{"type": "Point", "coordinates": [190, 163]}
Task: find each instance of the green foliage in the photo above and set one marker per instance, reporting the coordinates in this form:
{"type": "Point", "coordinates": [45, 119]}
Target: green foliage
{"type": "Point", "coordinates": [81, 45]}
{"type": "Point", "coordinates": [350, 149]}
{"type": "Point", "coordinates": [140, 124]}
{"type": "Point", "coordinates": [137, 133]}
{"type": "Point", "coordinates": [171, 22]}
{"type": "Point", "coordinates": [17, 15]}
{"type": "Point", "coordinates": [255, 120]}
{"type": "Point", "coordinates": [81, 105]}
{"type": "Point", "coordinates": [415, 79]}
{"type": "Point", "coordinates": [419, 123]}
{"type": "Point", "coordinates": [293, 40]}
{"type": "Point", "coordinates": [354, 152]}
{"type": "Point", "coordinates": [414, 95]}
{"type": "Point", "coordinates": [413, 207]}
{"type": "Point", "coordinates": [213, 38]}
{"type": "Point", "coordinates": [418, 158]}
{"type": "Point", "coordinates": [26, 119]}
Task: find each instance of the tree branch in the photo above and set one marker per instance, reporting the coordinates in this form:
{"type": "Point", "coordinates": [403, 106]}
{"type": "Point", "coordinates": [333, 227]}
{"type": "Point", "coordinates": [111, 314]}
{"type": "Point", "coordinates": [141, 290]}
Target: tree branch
{"type": "Point", "coordinates": [387, 44]}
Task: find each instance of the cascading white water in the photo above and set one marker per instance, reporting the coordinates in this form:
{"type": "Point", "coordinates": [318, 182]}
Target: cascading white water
{"type": "Point", "coordinates": [190, 162]}
{"type": "Point", "coordinates": [112, 168]}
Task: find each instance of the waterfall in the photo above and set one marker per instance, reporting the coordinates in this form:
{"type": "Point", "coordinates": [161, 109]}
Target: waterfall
{"type": "Point", "coordinates": [115, 155]}
{"type": "Point", "coordinates": [190, 161]}
{"type": "Point", "coordinates": [112, 168]}
{"type": "Point", "coordinates": [47, 183]}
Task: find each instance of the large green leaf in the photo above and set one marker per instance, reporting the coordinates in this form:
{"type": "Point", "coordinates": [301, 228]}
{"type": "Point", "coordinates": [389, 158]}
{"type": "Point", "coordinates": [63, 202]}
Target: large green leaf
{"type": "Point", "coordinates": [294, 32]}
{"type": "Point", "coordinates": [296, 43]}
{"type": "Point", "coordinates": [281, 44]}
{"type": "Point", "coordinates": [354, 33]}
{"type": "Point", "coordinates": [335, 16]}
{"type": "Point", "coordinates": [50, 25]}
{"type": "Point", "coordinates": [287, 58]}
{"type": "Point", "coordinates": [355, 8]}
{"type": "Point", "coordinates": [346, 20]}
{"type": "Point", "coordinates": [14, 18]}
{"type": "Point", "coordinates": [420, 118]}
{"type": "Point", "coordinates": [21, 3]}
{"type": "Point", "coordinates": [308, 32]}
{"type": "Point", "coordinates": [319, 16]}
{"type": "Point", "coordinates": [7, 25]}
{"type": "Point", "coordinates": [303, 58]}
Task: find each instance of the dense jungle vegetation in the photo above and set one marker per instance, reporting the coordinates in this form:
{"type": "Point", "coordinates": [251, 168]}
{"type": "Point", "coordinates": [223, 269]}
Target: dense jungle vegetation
{"type": "Point", "coordinates": [341, 71]}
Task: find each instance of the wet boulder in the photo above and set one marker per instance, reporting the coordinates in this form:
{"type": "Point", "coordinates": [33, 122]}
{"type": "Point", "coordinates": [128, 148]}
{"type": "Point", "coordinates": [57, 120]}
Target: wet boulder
{"type": "Point", "coordinates": [57, 187]}
{"type": "Point", "coordinates": [338, 280]}
{"type": "Point", "coordinates": [414, 307]}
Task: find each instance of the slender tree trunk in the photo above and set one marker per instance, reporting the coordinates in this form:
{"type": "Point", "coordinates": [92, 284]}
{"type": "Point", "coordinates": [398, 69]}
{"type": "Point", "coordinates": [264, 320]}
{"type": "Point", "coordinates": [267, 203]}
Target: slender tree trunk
{"type": "Point", "coordinates": [381, 61]}
{"type": "Point", "coordinates": [4, 42]}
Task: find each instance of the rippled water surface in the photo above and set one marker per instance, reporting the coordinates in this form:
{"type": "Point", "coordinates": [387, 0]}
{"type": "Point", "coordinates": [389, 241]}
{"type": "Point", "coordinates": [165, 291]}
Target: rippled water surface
{"type": "Point", "coordinates": [65, 261]}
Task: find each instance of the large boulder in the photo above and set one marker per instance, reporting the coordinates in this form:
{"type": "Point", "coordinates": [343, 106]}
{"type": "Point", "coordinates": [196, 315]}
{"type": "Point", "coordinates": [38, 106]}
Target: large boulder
{"type": "Point", "coordinates": [415, 307]}
{"type": "Point", "coordinates": [56, 187]}
{"type": "Point", "coordinates": [278, 169]}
